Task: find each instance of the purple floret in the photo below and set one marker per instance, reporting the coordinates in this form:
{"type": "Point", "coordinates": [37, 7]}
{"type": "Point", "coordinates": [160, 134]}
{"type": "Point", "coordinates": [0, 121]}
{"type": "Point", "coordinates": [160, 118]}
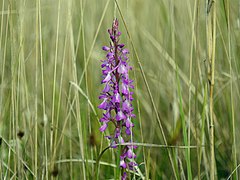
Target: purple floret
{"type": "Point", "coordinates": [117, 98]}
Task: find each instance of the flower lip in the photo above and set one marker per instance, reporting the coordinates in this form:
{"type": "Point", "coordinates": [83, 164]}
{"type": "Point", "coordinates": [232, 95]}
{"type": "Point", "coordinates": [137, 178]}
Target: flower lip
{"type": "Point", "coordinates": [107, 78]}
{"type": "Point", "coordinates": [122, 69]}
{"type": "Point", "coordinates": [125, 51]}
{"type": "Point", "coordinates": [129, 124]}
{"type": "Point", "coordinates": [103, 127]}
{"type": "Point", "coordinates": [117, 98]}
{"type": "Point", "coordinates": [128, 131]}
{"type": "Point", "coordinates": [126, 106]}
{"type": "Point", "coordinates": [103, 96]}
{"type": "Point", "coordinates": [105, 48]}
{"type": "Point", "coordinates": [130, 154]}
{"type": "Point", "coordinates": [109, 31]}
{"type": "Point", "coordinates": [103, 105]}
{"type": "Point", "coordinates": [120, 116]}
{"type": "Point", "coordinates": [107, 88]}
{"type": "Point", "coordinates": [105, 118]}
{"type": "Point", "coordinates": [121, 45]}
{"type": "Point", "coordinates": [125, 89]}
{"type": "Point", "coordinates": [110, 55]}
{"type": "Point", "coordinates": [123, 164]}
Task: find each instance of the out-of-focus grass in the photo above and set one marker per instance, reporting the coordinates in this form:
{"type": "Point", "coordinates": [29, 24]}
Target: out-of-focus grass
{"type": "Point", "coordinates": [48, 116]}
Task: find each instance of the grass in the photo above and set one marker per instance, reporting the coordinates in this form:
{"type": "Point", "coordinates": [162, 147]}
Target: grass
{"type": "Point", "coordinates": [50, 75]}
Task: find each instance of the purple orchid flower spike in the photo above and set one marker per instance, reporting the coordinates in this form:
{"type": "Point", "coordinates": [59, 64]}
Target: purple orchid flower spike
{"type": "Point", "coordinates": [116, 98]}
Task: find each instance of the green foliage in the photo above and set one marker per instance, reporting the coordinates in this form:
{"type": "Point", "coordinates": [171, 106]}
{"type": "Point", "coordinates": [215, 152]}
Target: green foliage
{"type": "Point", "coordinates": [50, 54]}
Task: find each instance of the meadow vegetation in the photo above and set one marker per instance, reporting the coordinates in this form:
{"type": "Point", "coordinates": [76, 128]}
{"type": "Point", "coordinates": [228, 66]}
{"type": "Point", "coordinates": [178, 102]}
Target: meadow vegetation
{"type": "Point", "coordinates": [50, 80]}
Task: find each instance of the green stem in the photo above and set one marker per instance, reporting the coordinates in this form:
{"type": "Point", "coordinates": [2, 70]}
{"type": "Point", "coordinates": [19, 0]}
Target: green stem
{"type": "Point", "coordinates": [97, 162]}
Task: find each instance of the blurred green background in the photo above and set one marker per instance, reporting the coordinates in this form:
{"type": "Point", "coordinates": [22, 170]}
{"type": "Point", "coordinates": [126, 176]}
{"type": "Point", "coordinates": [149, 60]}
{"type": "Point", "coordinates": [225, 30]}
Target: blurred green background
{"type": "Point", "coordinates": [50, 76]}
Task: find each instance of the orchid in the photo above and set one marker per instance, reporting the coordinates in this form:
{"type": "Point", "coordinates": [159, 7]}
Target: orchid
{"type": "Point", "coordinates": [117, 98]}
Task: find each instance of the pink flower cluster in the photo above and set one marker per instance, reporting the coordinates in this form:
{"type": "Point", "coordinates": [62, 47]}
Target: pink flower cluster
{"type": "Point", "coordinates": [117, 98]}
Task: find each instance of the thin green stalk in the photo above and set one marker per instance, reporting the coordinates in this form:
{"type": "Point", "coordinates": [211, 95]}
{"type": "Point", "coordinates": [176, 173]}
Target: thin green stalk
{"type": "Point", "coordinates": [70, 151]}
{"type": "Point", "coordinates": [43, 88]}
{"type": "Point", "coordinates": [93, 43]}
{"type": "Point", "coordinates": [1, 31]}
{"type": "Point", "coordinates": [234, 156]}
{"type": "Point", "coordinates": [234, 171]}
{"type": "Point", "coordinates": [211, 42]}
{"type": "Point", "coordinates": [59, 101]}
{"type": "Point", "coordinates": [20, 121]}
{"type": "Point", "coordinates": [140, 123]}
{"type": "Point", "coordinates": [76, 97]}
{"type": "Point", "coordinates": [91, 48]}
{"type": "Point", "coordinates": [184, 129]}
{"type": "Point", "coordinates": [173, 54]}
{"type": "Point", "coordinates": [4, 55]}
{"type": "Point", "coordinates": [54, 86]}
{"type": "Point", "coordinates": [199, 82]}
{"type": "Point", "coordinates": [56, 142]}
{"type": "Point", "coordinates": [1, 90]}
{"type": "Point", "coordinates": [202, 134]}
{"type": "Point", "coordinates": [87, 149]}
{"type": "Point", "coordinates": [189, 171]}
{"type": "Point", "coordinates": [36, 95]}
{"type": "Point", "coordinates": [77, 104]}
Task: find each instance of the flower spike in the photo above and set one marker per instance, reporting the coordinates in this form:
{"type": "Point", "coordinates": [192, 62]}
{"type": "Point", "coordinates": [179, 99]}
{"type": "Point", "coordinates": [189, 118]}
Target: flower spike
{"type": "Point", "coordinates": [117, 98]}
